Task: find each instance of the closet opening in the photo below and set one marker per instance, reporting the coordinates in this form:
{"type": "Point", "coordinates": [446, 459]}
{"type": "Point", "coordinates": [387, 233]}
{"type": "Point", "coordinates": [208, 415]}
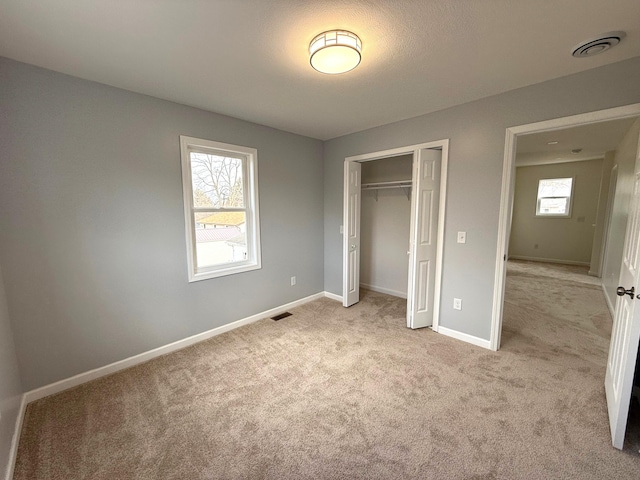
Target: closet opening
{"type": "Point", "coordinates": [394, 206]}
{"type": "Point", "coordinates": [384, 225]}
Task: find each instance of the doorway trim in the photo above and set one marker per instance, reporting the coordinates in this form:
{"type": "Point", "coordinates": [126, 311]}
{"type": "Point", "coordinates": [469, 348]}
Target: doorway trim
{"type": "Point", "coordinates": [442, 145]}
{"type": "Point", "coordinates": [507, 192]}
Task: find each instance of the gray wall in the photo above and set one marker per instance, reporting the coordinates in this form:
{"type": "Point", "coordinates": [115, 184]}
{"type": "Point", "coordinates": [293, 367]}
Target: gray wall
{"type": "Point", "coordinates": [567, 240]}
{"type": "Point", "coordinates": [625, 158]}
{"type": "Point", "coordinates": [92, 229]}
{"type": "Point", "coordinates": [477, 134]}
{"type": "Point", "coordinates": [384, 227]}
{"type": "Point", "coordinates": [10, 385]}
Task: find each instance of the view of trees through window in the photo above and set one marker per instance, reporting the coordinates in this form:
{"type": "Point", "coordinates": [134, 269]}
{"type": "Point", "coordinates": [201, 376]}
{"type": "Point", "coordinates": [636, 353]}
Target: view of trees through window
{"type": "Point", "coordinates": [220, 219]}
{"type": "Point", "coordinates": [554, 196]}
{"type": "Point", "coordinates": [217, 181]}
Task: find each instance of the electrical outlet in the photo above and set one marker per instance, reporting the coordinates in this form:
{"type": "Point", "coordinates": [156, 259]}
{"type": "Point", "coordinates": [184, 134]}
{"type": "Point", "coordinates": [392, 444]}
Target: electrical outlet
{"type": "Point", "coordinates": [462, 237]}
{"type": "Point", "coordinates": [457, 304]}
{"type": "Point", "coordinates": [293, 281]}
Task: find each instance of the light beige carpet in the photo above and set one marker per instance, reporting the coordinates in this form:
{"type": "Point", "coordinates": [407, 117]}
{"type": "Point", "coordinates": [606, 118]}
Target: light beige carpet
{"type": "Point", "coordinates": [334, 393]}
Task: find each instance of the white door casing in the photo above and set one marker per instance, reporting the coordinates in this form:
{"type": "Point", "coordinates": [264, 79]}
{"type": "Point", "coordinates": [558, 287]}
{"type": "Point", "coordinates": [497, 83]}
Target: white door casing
{"type": "Point", "coordinates": [351, 270]}
{"type": "Point", "coordinates": [625, 334]}
{"type": "Point", "coordinates": [508, 185]}
{"type": "Point", "coordinates": [423, 237]}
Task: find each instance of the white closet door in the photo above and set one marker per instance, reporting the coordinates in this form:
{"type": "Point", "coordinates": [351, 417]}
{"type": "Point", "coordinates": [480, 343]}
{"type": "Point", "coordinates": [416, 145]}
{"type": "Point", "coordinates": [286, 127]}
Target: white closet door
{"type": "Point", "coordinates": [423, 238]}
{"type": "Point", "coordinates": [351, 280]}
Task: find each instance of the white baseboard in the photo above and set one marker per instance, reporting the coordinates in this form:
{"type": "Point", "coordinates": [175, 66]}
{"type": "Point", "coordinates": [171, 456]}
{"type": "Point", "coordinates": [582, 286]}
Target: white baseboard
{"type": "Point", "coordinates": [610, 306]}
{"type": "Point", "coordinates": [548, 260]}
{"type": "Point", "coordinates": [81, 378]}
{"type": "Point", "coordinates": [333, 296]}
{"type": "Point", "coordinates": [480, 342]}
{"type": "Point", "coordinates": [388, 291]}
{"type": "Point", "coordinates": [13, 452]}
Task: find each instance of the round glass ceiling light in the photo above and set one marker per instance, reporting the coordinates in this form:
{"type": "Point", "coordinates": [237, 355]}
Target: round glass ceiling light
{"type": "Point", "coordinates": [335, 51]}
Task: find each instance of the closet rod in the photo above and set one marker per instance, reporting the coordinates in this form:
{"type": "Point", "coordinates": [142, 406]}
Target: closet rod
{"type": "Point", "coordinates": [404, 184]}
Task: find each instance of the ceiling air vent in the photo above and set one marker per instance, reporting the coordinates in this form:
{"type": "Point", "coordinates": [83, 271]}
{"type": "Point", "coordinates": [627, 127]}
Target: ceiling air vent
{"type": "Point", "coordinates": [598, 45]}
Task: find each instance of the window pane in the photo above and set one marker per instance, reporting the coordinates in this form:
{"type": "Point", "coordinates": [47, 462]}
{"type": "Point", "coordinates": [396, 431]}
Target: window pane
{"type": "Point", "coordinates": [216, 180]}
{"type": "Point", "coordinates": [555, 187]}
{"type": "Point", "coordinates": [220, 238]}
{"type": "Point", "coordinates": [553, 206]}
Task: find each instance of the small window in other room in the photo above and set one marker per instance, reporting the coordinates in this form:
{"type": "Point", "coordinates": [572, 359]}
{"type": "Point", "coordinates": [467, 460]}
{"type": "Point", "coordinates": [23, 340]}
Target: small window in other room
{"type": "Point", "coordinates": [220, 187]}
{"type": "Point", "coordinates": [554, 197]}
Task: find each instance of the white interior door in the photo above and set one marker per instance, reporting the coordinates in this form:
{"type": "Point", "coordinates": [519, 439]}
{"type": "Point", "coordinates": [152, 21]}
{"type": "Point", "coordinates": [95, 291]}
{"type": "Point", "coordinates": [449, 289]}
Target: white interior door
{"type": "Point", "coordinates": [626, 324]}
{"type": "Point", "coordinates": [351, 280]}
{"type": "Point", "coordinates": [423, 237]}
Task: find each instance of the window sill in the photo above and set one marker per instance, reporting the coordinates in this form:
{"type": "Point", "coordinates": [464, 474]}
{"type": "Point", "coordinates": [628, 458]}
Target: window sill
{"type": "Point", "coordinates": [221, 272]}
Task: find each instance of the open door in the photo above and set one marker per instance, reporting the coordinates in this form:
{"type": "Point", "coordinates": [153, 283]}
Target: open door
{"type": "Point", "coordinates": [625, 336]}
{"type": "Point", "coordinates": [351, 280]}
{"type": "Point", "coordinates": [423, 237]}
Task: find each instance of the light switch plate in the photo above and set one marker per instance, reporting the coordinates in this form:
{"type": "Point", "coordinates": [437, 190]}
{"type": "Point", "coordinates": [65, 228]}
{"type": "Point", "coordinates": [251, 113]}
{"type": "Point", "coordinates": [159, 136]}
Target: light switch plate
{"type": "Point", "coordinates": [462, 237]}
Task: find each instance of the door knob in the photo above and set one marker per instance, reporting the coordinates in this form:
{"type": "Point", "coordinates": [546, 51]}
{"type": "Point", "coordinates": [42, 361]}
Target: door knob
{"type": "Point", "coordinates": [622, 292]}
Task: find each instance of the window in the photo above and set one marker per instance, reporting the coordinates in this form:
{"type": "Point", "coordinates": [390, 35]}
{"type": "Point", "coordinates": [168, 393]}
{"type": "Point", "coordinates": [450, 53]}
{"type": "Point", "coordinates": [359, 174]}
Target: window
{"type": "Point", "coordinates": [220, 187]}
{"type": "Point", "coordinates": [554, 197]}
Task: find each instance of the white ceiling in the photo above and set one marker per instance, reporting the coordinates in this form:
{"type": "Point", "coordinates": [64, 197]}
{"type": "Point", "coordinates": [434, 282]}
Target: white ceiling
{"type": "Point", "coordinates": [248, 58]}
{"type": "Point", "coordinates": [594, 139]}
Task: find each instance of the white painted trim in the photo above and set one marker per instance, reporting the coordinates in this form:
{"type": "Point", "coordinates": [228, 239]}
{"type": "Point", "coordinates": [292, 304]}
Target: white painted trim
{"type": "Point", "coordinates": [251, 208]}
{"type": "Point", "coordinates": [15, 440]}
{"type": "Point", "coordinates": [156, 352]}
{"type": "Point", "coordinates": [333, 296]}
{"type": "Point", "coordinates": [388, 291]}
{"type": "Point", "coordinates": [504, 226]}
{"type": "Point", "coordinates": [480, 342]}
{"type": "Point", "coordinates": [610, 306]}
{"type": "Point", "coordinates": [506, 200]}
{"type": "Point", "coordinates": [395, 152]}
{"type": "Point", "coordinates": [444, 169]}
{"type": "Point", "coordinates": [548, 260]}
{"type": "Point", "coordinates": [588, 118]}
{"type": "Point", "coordinates": [535, 163]}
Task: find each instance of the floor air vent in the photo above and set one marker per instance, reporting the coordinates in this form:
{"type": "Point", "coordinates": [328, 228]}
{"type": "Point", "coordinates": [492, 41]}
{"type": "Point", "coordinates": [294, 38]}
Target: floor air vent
{"type": "Point", "coordinates": [281, 316]}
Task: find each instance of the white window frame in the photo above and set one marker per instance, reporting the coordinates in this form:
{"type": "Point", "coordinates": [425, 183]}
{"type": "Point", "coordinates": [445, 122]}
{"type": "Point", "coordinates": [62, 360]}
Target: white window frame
{"type": "Point", "coordinates": [567, 214]}
{"type": "Point", "coordinates": [249, 158]}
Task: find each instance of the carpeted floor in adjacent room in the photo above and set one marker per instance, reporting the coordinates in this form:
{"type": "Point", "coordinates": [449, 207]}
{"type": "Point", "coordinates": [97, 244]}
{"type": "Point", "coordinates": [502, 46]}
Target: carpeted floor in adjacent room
{"type": "Point", "coordinates": [335, 393]}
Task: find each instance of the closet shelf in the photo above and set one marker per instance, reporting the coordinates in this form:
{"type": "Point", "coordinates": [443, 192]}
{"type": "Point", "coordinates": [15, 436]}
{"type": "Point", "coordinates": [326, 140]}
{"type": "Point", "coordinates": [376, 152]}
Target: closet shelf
{"type": "Point", "coordinates": [382, 185]}
{"type": "Point", "coordinates": [404, 184]}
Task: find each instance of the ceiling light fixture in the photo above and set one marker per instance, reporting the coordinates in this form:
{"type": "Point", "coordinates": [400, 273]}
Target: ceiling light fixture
{"type": "Point", "coordinates": [552, 143]}
{"type": "Point", "coordinates": [335, 51]}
